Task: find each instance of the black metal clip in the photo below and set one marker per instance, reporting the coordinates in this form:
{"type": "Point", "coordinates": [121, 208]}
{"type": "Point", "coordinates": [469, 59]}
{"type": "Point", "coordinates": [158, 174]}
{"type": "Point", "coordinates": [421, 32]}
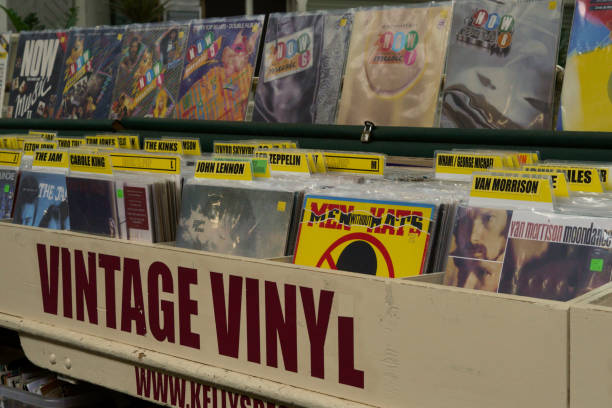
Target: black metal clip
{"type": "Point", "coordinates": [368, 128]}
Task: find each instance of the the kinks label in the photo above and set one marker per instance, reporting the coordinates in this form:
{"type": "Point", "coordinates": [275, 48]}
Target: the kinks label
{"type": "Point", "coordinates": [147, 297]}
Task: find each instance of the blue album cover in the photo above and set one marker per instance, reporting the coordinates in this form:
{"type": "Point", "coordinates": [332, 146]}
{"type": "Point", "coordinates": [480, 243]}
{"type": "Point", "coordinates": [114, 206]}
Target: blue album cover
{"type": "Point", "coordinates": [218, 70]}
{"type": "Point", "coordinates": [88, 76]}
{"type": "Point", "coordinates": [92, 206]}
{"type": "Point", "coordinates": [38, 66]}
{"type": "Point", "coordinates": [42, 200]}
{"type": "Point", "coordinates": [8, 182]}
{"type": "Point", "coordinates": [149, 71]}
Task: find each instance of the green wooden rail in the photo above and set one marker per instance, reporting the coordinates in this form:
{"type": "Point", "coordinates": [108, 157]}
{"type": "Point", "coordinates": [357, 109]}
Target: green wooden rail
{"type": "Point", "coordinates": [397, 141]}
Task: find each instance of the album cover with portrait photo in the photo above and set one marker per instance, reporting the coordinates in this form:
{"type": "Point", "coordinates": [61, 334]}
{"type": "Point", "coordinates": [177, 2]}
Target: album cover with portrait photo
{"type": "Point", "coordinates": [92, 206]}
{"type": "Point", "coordinates": [42, 200]}
{"type": "Point", "coordinates": [236, 220]}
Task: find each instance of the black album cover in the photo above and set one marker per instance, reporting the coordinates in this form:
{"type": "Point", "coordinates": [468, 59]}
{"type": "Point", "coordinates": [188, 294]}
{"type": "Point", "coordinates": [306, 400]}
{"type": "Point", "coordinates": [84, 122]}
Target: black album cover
{"type": "Point", "coordinates": [235, 220]}
{"type": "Point", "coordinates": [92, 206]}
{"type": "Point", "coordinates": [35, 82]}
{"type": "Point", "coordinates": [8, 182]}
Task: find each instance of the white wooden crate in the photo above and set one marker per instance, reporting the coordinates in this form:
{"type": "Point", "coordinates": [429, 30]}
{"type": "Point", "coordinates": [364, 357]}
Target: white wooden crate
{"type": "Point", "coordinates": [388, 343]}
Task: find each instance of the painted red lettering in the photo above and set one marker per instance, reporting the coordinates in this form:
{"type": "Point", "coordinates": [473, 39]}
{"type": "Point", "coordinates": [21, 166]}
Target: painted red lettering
{"type": "Point", "coordinates": [346, 354]}
{"type": "Point", "coordinates": [253, 321]}
{"type": "Point", "coordinates": [227, 320]}
{"type": "Point", "coordinates": [67, 282]}
{"type": "Point", "coordinates": [110, 264]}
{"type": "Point", "coordinates": [85, 286]}
{"type": "Point", "coordinates": [283, 327]}
{"type": "Point", "coordinates": [317, 327]}
{"type": "Point", "coordinates": [132, 289]}
{"type": "Point", "coordinates": [187, 307]}
{"type": "Point", "coordinates": [166, 331]}
{"type": "Point", "coordinates": [48, 277]}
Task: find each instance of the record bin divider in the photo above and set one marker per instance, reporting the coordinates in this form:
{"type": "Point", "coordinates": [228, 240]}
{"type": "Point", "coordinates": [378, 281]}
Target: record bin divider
{"type": "Point", "coordinates": [388, 343]}
{"type": "Point", "coordinates": [397, 141]}
{"type": "Point", "coordinates": [591, 350]}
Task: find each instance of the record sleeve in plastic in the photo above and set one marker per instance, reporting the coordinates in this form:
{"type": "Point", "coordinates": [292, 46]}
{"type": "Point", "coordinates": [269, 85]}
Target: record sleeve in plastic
{"type": "Point", "coordinates": [586, 98]}
{"type": "Point", "coordinates": [92, 206]}
{"type": "Point", "coordinates": [502, 57]}
{"type": "Point", "coordinates": [88, 76]}
{"type": "Point", "coordinates": [394, 65]}
{"type": "Point", "coordinates": [8, 182]}
{"type": "Point", "coordinates": [35, 82]}
{"type": "Point", "coordinates": [149, 71]}
{"type": "Point", "coordinates": [384, 238]}
{"type": "Point", "coordinates": [302, 64]}
{"type": "Point", "coordinates": [218, 69]}
{"type": "Point", "coordinates": [235, 220]}
{"type": "Point", "coordinates": [529, 253]}
{"type": "Point", "coordinates": [42, 200]}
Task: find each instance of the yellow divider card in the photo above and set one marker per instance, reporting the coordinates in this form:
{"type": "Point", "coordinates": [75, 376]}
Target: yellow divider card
{"type": "Point", "coordinates": [130, 142]}
{"type": "Point", "coordinates": [91, 163]}
{"type": "Point", "coordinates": [536, 192]}
{"type": "Point", "coordinates": [584, 179]}
{"type": "Point", "coordinates": [294, 162]}
{"type": "Point", "coordinates": [191, 147]}
{"type": "Point", "coordinates": [163, 146]}
{"type": "Point", "coordinates": [355, 163]}
{"type": "Point", "coordinates": [45, 134]}
{"type": "Point", "coordinates": [10, 158]}
{"type": "Point", "coordinates": [558, 180]}
{"type": "Point", "coordinates": [451, 165]}
{"type": "Point", "coordinates": [224, 169]}
{"type": "Point", "coordinates": [240, 149]}
{"type": "Point", "coordinates": [102, 141]}
{"type": "Point", "coordinates": [30, 146]}
{"type": "Point", "coordinates": [150, 163]}
{"type": "Point", "coordinates": [50, 158]}
{"type": "Point", "coordinates": [68, 142]}
{"type": "Point", "coordinates": [259, 166]}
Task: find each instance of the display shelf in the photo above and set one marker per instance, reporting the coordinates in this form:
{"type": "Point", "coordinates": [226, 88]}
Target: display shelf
{"type": "Point", "coordinates": [87, 307]}
{"type": "Point", "coordinates": [397, 141]}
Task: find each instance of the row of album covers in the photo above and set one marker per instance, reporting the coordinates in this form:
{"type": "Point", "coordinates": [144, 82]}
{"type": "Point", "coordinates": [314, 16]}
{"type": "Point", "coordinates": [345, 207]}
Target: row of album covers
{"type": "Point", "coordinates": [499, 221]}
{"type": "Point", "coordinates": [379, 64]}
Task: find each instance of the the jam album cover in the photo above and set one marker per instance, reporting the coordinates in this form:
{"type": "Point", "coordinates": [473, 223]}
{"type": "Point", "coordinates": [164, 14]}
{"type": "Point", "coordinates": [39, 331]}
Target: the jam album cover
{"type": "Point", "coordinates": [149, 71]}
{"type": "Point", "coordinates": [235, 220]}
{"type": "Point", "coordinates": [525, 253]}
{"type": "Point", "coordinates": [92, 206]}
{"type": "Point", "coordinates": [394, 65]}
{"type": "Point", "coordinates": [302, 64]}
{"type": "Point", "coordinates": [383, 238]}
{"type": "Point", "coordinates": [8, 182]}
{"type": "Point", "coordinates": [88, 76]}
{"type": "Point", "coordinates": [501, 64]}
{"type": "Point", "coordinates": [586, 98]}
{"type": "Point", "coordinates": [218, 69]}
{"type": "Point", "coordinates": [42, 201]}
{"type": "Point", "coordinates": [35, 82]}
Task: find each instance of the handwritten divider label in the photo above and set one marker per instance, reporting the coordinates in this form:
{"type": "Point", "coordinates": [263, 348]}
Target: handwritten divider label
{"type": "Point", "coordinates": [69, 142]}
{"type": "Point", "coordinates": [30, 146]}
{"type": "Point", "coordinates": [146, 162]}
{"type": "Point", "coordinates": [50, 158]}
{"type": "Point", "coordinates": [355, 163]}
{"type": "Point", "coordinates": [91, 163]}
{"type": "Point", "coordinates": [460, 166]}
{"type": "Point", "coordinates": [583, 179]}
{"type": "Point", "coordinates": [45, 134]}
{"type": "Point", "coordinates": [492, 190]}
{"type": "Point", "coordinates": [294, 162]}
{"type": "Point", "coordinates": [10, 158]}
{"type": "Point", "coordinates": [163, 146]}
{"type": "Point", "coordinates": [224, 169]}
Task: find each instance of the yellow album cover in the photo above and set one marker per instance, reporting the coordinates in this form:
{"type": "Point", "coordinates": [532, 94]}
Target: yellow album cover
{"type": "Point", "coordinates": [383, 238]}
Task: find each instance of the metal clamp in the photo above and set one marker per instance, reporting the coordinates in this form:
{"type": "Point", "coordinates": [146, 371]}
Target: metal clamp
{"type": "Point", "coordinates": [368, 128]}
